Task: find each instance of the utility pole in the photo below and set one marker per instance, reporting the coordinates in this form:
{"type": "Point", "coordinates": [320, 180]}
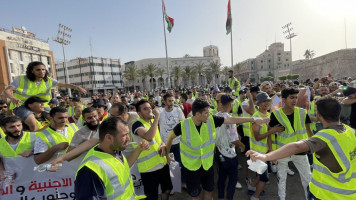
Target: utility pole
{"type": "Point", "coordinates": [287, 29]}
{"type": "Point", "coordinates": [63, 36]}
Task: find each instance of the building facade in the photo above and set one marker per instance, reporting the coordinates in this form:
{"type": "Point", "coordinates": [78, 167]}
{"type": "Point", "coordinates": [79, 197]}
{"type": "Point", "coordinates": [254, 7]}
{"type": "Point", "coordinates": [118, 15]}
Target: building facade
{"type": "Point", "coordinates": [274, 61]}
{"type": "Point", "coordinates": [17, 49]}
{"type": "Point", "coordinates": [95, 74]}
{"type": "Point", "coordinates": [341, 63]}
{"type": "Point", "coordinates": [210, 54]}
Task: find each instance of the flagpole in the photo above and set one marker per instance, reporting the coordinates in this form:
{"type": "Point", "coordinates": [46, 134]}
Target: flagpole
{"type": "Point", "coordinates": [165, 44]}
{"type": "Point", "coordinates": [232, 54]}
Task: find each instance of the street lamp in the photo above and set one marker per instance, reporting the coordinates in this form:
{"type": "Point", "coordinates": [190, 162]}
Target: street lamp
{"type": "Point", "coordinates": [289, 35]}
{"type": "Point", "coordinates": [63, 36]}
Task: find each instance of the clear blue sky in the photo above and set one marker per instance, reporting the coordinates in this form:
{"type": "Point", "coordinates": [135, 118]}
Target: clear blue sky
{"type": "Point", "coordinates": [132, 29]}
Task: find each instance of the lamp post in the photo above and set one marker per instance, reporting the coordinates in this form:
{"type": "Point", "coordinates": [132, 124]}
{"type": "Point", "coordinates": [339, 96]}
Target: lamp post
{"type": "Point", "coordinates": [63, 37]}
{"type": "Point", "coordinates": [289, 35]}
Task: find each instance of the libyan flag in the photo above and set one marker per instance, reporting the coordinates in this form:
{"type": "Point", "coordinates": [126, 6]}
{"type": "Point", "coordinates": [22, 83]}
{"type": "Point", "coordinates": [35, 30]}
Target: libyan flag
{"type": "Point", "coordinates": [169, 20]}
{"type": "Point", "coordinates": [229, 19]}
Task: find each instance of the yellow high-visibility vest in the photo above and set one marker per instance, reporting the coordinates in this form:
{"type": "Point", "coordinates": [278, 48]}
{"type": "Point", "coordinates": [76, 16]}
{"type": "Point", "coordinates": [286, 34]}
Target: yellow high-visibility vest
{"type": "Point", "coordinates": [197, 148]}
{"type": "Point", "coordinates": [259, 146]}
{"type": "Point", "coordinates": [231, 83]}
{"type": "Point", "coordinates": [115, 175]}
{"type": "Point", "coordinates": [150, 158]}
{"type": "Point", "coordinates": [29, 88]}
{"type": "Point", "coordinates": [289, 134]}
{"type": "Point", "coordinates": [342, 185]}
{"type": "Point", "coordinates": [26, 143]}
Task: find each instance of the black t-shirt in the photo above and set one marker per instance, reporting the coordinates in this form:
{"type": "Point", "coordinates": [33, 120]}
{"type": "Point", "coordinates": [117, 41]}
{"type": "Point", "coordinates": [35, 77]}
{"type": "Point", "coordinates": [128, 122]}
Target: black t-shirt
{"type": "Point", "coordinates": [353, 116]}
{"type": "Point", "coordinates": [275, 122]}
{"type": "Point", "coordinates": [218, 121]}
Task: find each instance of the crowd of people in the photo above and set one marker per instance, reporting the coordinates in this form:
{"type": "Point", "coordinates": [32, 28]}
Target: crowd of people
{"type": "Point", "coordinates": [313, 126]}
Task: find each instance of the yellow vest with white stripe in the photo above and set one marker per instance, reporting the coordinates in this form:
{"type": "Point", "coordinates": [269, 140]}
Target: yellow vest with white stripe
{"type": "Point", "coordinates": [26, 143]}
{"type": "Point", "coordinates": [246, 127]}
{"type": "Point", "coordinates": [29, 88]}
{"type": "Point", "coordinates": [197, 148]}
{"type": "Point", "coordinates": [289, 134]}
{"type": "Point", "coordinates": [51, 137]}
{"type": "Point", "coordinates": [342, 185]}
{"type": "Point", "coordinates": [312, 113]}
{"type": "Point", "coordinates": [115, 175]}
{"type": "Point", "coordinates": [2, 134]}
{"type": "Point", "coordinates": [195, 94]}
{"type": "Point", "coordinates": [71, 110]}
{"type": "Point", "coordinates": [231, 83]}
{"type": "Point", "coordinates": [150, 158]}
{"type": "Point", "coordinates": [259, 146]}
{"type": "Point", "coordinates": [213, 112]}
{"type": "Point", "coordinates": [235, 107]}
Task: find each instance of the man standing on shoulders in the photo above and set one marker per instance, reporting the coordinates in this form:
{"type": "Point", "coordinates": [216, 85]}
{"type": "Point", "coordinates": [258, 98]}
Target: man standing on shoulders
{"type": "Point", "coordinates": [197, 144]}
{"type": "Point", "coordinates": [105, 172]}
{"type": "Point", "coordinates": [234, 83]}
{"type": "Point", "coordinates": [56, 137]}
{"type": "Point", "coordinates": [296, 123]}
{"type": "Point", "coordinates": [151, 164]}
{"type": "Point", "coordinates": [334, 150]}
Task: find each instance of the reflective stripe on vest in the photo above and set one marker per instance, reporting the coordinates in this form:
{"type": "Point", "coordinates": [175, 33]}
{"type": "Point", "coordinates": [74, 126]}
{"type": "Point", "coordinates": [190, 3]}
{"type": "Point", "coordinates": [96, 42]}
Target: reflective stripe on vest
{"type": "Point", "coordinates": [259, 146]}
{"type": "Point", "coordinates": [29, 88]}
{"type": "Point", "coordinates": [326, 184]}
{"type": "Point", "coordinates": [2, 134]}
{"type": "Point", "coordinates": [48, 137]}
{"type": "Point", "coordinates": [289, 134]}
{"type": "Point", "coordinates": [115, 187]}
{"type": "Point", "coordinates": [26, 143]}
{"type": "Point", "coordinates": [196, 153]}
{"type": "Point", "coordinates": [235, 107]}
{"type": "Point", "coordinates": [312, 114]}
{"type": "Point", "coordinates": [150, 158]}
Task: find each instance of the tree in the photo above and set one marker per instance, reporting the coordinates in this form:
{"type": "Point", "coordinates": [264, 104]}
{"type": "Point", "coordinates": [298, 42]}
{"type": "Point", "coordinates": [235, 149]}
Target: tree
{"type": "Point", "coordinates": [208, 75]}
{"type": "Point", "coordinates": [225, 72]}
{"type": "Point", "coordinates": [160, 73]}
{"type": "Point", "coordinates": [151, 71]}
{"type": "Point", "coordinates": [187, 73]}
{"type": "Point", "coordinates": [237, 68]}
{"type": "Point", "coordinates": [177, 72]}
{"type": "Point", "coordinates": [131, 74]}
{"type": "Point", "coordinates": [141, 73]}
{"type": "Point", "coordinates": [309, 54]}
{"type": "Point", "coordinates": [199, 69]}
{"type": "Point", "coordinates": [282, 78]}
{"type": "Point", "coordinates": [215, 70]}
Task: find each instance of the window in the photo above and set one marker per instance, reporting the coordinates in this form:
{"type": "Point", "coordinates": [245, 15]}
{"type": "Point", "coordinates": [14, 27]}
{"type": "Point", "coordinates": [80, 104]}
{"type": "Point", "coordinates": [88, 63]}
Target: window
{"type": "Point", "coordinates": [269, 61]}
{"type": "Point", "coordinates": [279, 58]}
{"type": "Point", "coordinates": [11, 68]}
{"type": "Point", "coordinates": [287, 59]}
{"type": "Point", "coordinates": [20, 56]}
{"type": "Point", "coordinates": [261, 67]}
{"type": "Point", "coordinates": [261, 61]}
{"type": "Point", "coordinates": [22, 68]}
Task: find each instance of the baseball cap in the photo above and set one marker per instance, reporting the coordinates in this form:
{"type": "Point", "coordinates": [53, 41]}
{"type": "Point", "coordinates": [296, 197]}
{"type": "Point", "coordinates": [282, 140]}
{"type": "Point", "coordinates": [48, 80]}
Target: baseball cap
{"type": "Point", "coordinates": [98, 102]}
{"type": "Point", "coordinates": [227, 89]}
{"type": "Point", "coordinates": [226, 99]}
{"type": "Point", "coordinates": [216, 90]}
{"type": "Point", "coordinates": [254, 89]}
{"type": "Point", "coordinates": [261, 97]}
{"type": "Point", "coordinates": [54, 101]}
{"type": "Point", "coordinates": [32, 100]}
{"type": "Point", "coordinates": [76, 99]}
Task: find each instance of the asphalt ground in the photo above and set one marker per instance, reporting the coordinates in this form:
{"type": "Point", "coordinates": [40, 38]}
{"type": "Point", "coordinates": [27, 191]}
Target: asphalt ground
{"type": "Point", "coordinates": [294, 189]}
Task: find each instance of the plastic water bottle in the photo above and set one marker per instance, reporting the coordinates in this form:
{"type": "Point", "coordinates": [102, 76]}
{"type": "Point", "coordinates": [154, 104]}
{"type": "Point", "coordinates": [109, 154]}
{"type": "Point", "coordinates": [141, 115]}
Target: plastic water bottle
{"type": "Point", "coordinates": [173, 164]}
{"type": "Point", "coordinates": [45, 167]}
{"type": "Point", "coordinates": [9, 177]}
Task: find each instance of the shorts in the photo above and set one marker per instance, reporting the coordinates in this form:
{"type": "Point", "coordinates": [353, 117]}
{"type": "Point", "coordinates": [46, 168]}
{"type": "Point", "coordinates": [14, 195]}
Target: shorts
{"type": "Point", "coordinates": [22, 112]}
{"type": "Point", "coordinates": [264, 176]}
{"type": "Point", "coordinates": [246, 141]}
{"type": "Point", "coordinates": [151, 181]}
{"type": "Point", "coordinates": [197, 178]}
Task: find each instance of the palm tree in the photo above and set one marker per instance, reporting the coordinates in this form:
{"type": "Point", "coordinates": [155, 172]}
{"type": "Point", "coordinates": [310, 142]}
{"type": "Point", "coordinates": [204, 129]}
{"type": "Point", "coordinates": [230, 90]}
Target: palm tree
{"type": "Point", "coordinates": [160, 72]}
{"type": "Point", "coordinates": [176, 74]}
{"type": "Point", "coordinates": [187, 73]}
{"type": "Point", "coordinates": [215, 70]}
{"type": "Point", "coordinates": [131, 74]}
{"type": "Point", "coordinates": [193, 76]}
{"type": "Point", "coordinates": [237, 68]}
{"type": "Point", "coordinates": [151, 71]}
{"type": "Point", "coordinates": [141, 73]}
{"type": "Point", "coordinates": [309, 54]}
{"type": "Point", "coordinates": [199, 68]}
{"type": "Point", "coordinates": [208, 75]}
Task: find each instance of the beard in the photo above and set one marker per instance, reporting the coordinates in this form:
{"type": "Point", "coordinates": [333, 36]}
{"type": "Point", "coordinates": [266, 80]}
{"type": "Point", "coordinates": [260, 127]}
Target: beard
{"type": "Point", "coordinates": [93, 127]}
{"type": "Point", "coordinates": [12, 135]}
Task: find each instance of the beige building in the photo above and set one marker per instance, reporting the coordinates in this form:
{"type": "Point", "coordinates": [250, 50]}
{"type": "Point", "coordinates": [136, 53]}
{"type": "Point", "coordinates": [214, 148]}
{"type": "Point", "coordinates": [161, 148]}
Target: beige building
{"type": "Point", "coordinates": [340, 63]}
{"type": "Point", "coordinates": [210, 54]}
{"type": "Point", "coordinates": [18, 48]}
{"type": "Point", "coordinates": [274, 61]}
{"type": "Point", "coordinates": [95, 74]}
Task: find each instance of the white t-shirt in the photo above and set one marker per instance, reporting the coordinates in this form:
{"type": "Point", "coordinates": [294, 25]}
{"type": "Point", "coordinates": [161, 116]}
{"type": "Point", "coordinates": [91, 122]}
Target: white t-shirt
{"type": "Point", "coordinates": [225, 134]}
{"type": "Point", "coordinates": [167, 121]}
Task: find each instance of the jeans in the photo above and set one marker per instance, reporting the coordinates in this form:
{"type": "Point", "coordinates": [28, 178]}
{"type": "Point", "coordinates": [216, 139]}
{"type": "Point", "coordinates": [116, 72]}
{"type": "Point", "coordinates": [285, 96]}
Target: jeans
{"type": "Point", "coordinates": [176, 151]}
{"type": "Point", "coordinates": [227, 169]}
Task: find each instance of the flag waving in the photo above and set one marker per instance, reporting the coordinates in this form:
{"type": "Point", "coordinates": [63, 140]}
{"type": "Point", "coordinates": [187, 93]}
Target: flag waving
{"type": "Point", "coordinates": [229, 19]}
{"type": "Point", "coordinates": [169, 20]}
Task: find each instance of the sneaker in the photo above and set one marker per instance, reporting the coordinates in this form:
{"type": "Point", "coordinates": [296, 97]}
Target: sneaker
{"type": "Point", "coordinates": [238, 185]}
{"type": "Point", "coordinates": [251, 192]}
{"type": "Point", "coordinates": [274, 168]}
{"type": "Point", "coordinates": [239, 166]}
{"type": "Point", "coordinates": [290, 172]}
{"type": "Point", "coordinates": [248, 181]}
{"type": "Point", "coordinates": [251, 188]}
{"type": "Point", "coordinates": [254, 198]}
